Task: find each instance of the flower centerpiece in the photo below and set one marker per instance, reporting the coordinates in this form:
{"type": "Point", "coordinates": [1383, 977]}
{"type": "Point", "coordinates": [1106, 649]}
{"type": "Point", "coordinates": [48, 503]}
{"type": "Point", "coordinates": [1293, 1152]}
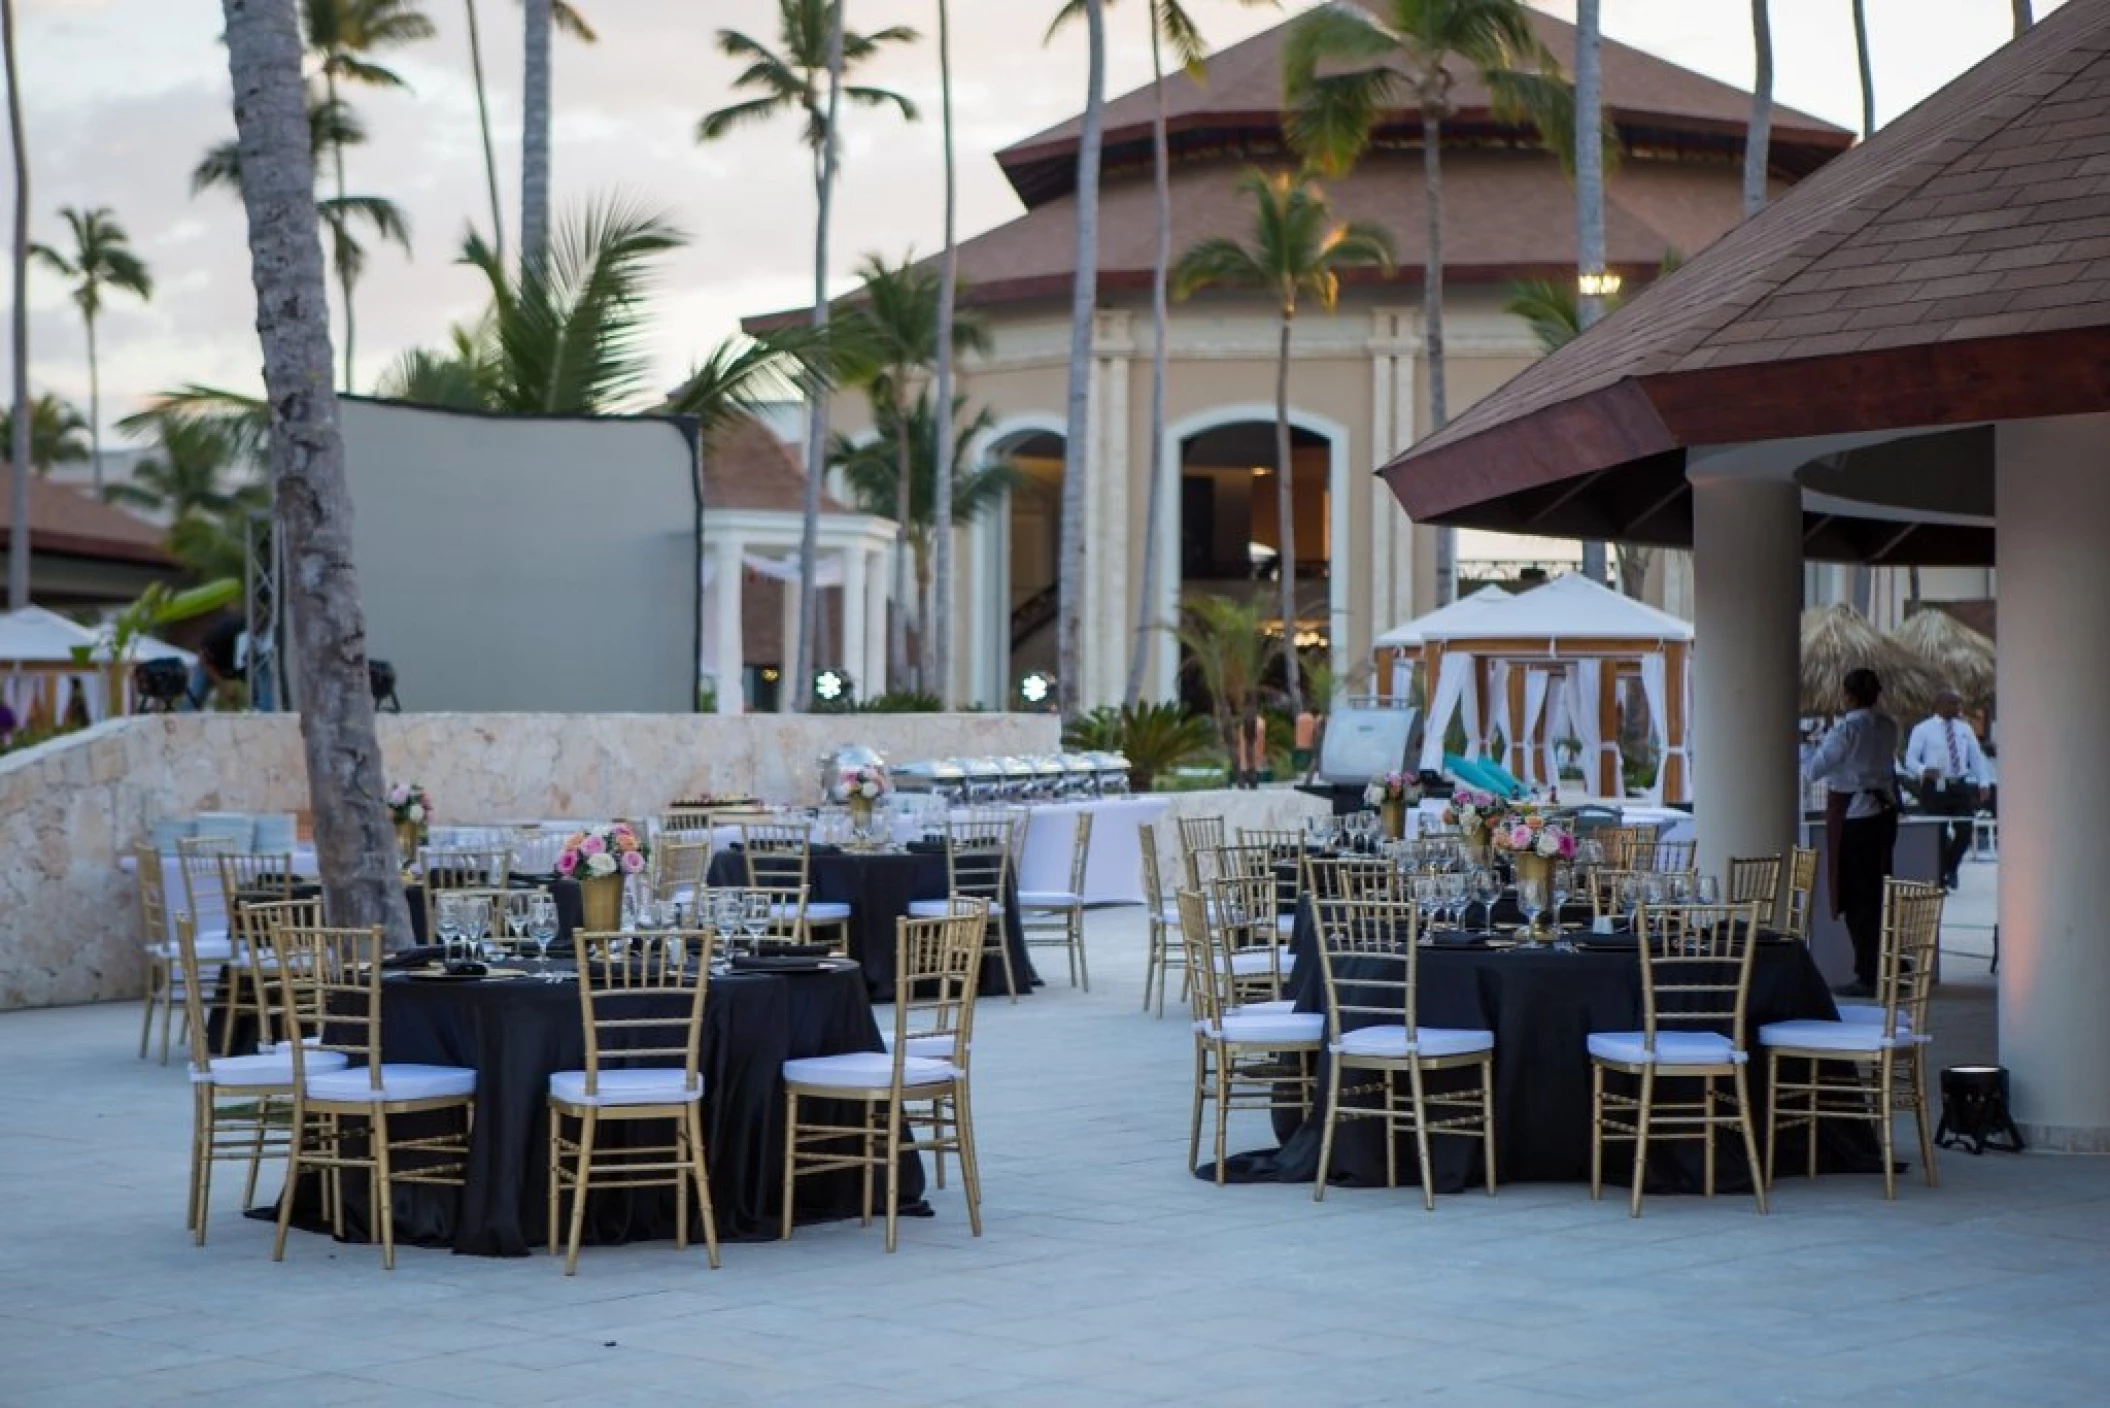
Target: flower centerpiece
{"type": "Point", "coordinates": [1473, 812]}
{"type": "Point", "coordinates": [859, 788]}
{"type": "Point", "coordinates": [1533, 838]}
{"type": "Point", "coordinates": [410, 807]}
{"type": "Point", "coordinates": [601, 858]}
{"type": "Point", "coordinates": [1392, 793]}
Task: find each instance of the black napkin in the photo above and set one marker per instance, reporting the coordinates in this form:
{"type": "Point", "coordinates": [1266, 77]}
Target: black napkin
{"type": "Point", "coordinates": [417, 957]}
{"type": "Point", "coordinates": [776, 963]}
{"type": "Point", "coordinates": [926, 848]}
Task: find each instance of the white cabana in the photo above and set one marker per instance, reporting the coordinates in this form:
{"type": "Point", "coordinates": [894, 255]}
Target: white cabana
{"type": "Point", "coordinates": [38, 668]}
{"type": "Point", "coordinates": [1546, 664]}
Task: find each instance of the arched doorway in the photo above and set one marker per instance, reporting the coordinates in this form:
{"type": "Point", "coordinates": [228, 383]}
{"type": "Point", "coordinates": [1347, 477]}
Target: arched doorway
{"type": "Point", "coordinates": [1018, 555]}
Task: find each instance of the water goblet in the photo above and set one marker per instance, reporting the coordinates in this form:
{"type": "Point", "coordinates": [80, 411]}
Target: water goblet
{"type": "Point", "coordinates": [447, 918]}
{"type": "Point", "coordinates": [542, 929]}
{"type": "Point", "coordinates": [1563, 886]}
{"type": "Point", "coordinates": [754, 916]}
{"type": "Point", "coordinates": [1486, 889]}
{"type": "Point", "coordinates": [517, 905]}
{"type": "Point", "coordinates": [1457, 896]}
{"type": "Point", "coordinates": [1531, 898]}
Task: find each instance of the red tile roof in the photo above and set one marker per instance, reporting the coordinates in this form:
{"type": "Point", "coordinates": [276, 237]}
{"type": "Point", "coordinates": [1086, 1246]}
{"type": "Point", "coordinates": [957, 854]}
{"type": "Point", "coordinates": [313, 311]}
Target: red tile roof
{"type": "Point", "coordinates": [66, 522]}
{"type": "Point", "coordinates": [747, 467]}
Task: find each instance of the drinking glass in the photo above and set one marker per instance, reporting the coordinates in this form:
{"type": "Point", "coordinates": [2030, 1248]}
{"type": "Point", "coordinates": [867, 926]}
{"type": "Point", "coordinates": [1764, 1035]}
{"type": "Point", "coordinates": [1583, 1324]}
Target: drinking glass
{"type": "Point", "coordinates": [518, 904]}
{"type": "Point", "coordinates": [1563, 886]}
{"type": "Point", "coordinates": [1457, 895]}
{"type": "Point", "coordinates": [476, 924]}
{"type": "Point", "coordinates": [542, 928]}
{"type": "Point", "coordinates": [1486, 889]}
{"type": "Point", "coordinates": [1531, 898]}
{"type": "Point", "coordinates": [1633, 890]}
{"type": "Point", "coordinates": [754, 916]}
{"type": "Point", "coordinates": [1707, 894]}
{"type": "Point", "coordinates": [447, 918]}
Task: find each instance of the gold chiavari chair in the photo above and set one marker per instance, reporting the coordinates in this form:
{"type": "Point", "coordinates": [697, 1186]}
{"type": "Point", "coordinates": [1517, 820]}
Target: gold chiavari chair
{"type": "Point", "coordinates": [1663, 857]}
{"type": "Point", "coordinates": [685, 822]}
{"type": "Point", "coordinates": [165, 972]}
{"type": "Point", "coordinates": [241, 1106]}
{"type": "Point", "coordinates": [779, 857]}
{"type": "Point", "coordinates": [1055, 918]}
{"type": "Point", "coordinates": [1871, 1064]}
{"type": "Point", "coordinates": [681, 861]}
{"type": "Point", "coordinates": [640, 1001]}
{"type": "Point", "coordinates": [248, 879]}
{"type": "Point", "coordinates": [1200, 836]}
{"type": "Point", "coordinates": [1371, 967]}
{"type": "Point", "coordinates": [1618, 842]}
{"type": "Point", "coordinates": [1755, 878]}
{"type": "Point", "coordinates": [1802, 891]}
{"type": "Point", "coordinates": [205, 905]}
{"type": "Point", "coordinates": [1166, 950]}
{"type": "Point", "coordinates": [1244, 915]}
{"type": "Point", "coordinates": [1695, 986]}
{"type": "Point", "coordinates": [1240, 1057]}
{"type": "Point", "coordinates": [459, 868]}
{"type": "Point", "coordinates": [915, 1094]}
{"type": "Point", "coordinates": [978, 867]}
{"type": "Point", "coordinates": [332, 989]}
{"type": "Point", "coordinates": [1330, 880]}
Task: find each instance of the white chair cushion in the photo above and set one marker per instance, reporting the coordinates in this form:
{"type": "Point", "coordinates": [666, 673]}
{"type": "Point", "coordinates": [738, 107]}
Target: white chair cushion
{"type": "Point", "coordinates": [1391, 1042]}
{"type": "Point", "coordinates": [1269, 1028]}
{"type": "Point", "coordinates": [866, 1070]}
{"type": "Point", "coordinates": [398, 1082]}
{"type": "Point", "coordinates": [1872, 1014]}
{"type": "Point", "coordinates": [939, 909]}
{"type": "Point", "coordinates": [1263, 1009]}
{"type": "Point", "coordinates": [1048, 899]}
{"type": "Point", "coordinates": [1834, 1036]}
{"type": "Point", "coordinates": [1285, 924]}
{"type": "Point", "coordinates": [647, 1086]}
{"type": "Point", "coordinates": [218, 950]}
{"type": "Point", "coordinates": [1673, 1048]}
{"type": "Point", "coordinates": [826, 911]}
{"type": "Point", "coordinates": [931, 1046]}
{"type": "Point", "coordinates": [267, 1069]}
{"type": "Point", "coordinates": [1251, 962]}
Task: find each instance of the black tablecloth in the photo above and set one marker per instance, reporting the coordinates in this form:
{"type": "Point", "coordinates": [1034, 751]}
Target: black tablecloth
{"type": "Point", "coordinates": [878, 885]}
{"type": "Point", "coordinates": [1542, 1007]}
{"type": "Point", "coordinates": [517, 1033]}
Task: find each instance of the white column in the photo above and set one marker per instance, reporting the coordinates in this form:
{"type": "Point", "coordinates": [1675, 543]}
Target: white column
{"type": "Point", "coordinates": [872, 567]}
{"type": "Point", "coordinates": [787, 690]}
{"type": "Point", "coordinates": [855, 646]}
{"type": "Point", "coordinates": [728, 649]}
{"type": "Point", "coordinates": [1747, 587]}
{"type": "Point", "coordinates": [2053, 517]}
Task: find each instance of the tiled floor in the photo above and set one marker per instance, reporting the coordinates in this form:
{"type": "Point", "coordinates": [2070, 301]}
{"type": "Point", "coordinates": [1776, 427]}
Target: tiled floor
{"type": "Point", "coordinates": [1107, 1275]}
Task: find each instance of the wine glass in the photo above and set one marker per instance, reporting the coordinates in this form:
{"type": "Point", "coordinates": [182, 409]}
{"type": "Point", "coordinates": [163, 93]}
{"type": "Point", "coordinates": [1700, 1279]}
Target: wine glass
{"type": "Point", "coordinates": [754, 916]}
{"type": "Point", "coordinates": [726, 907]}
{"type": "Point", "coordinates": [1531, 898]}
{"type": "Point", "coordinates": [517, 905]}
{"type": "Point", "coordinates": [1707, 894]}
{"type": "Point", "coordinates": [1563, 886]}
{"type": "Point", "coordinates": [1457, 896]}
{"type": "Point", "coordinates": [1486, 889]}
{"type": "Point", "coordinates": [542, 929]}
{"type": "Point", "coordinates": [447, 918]}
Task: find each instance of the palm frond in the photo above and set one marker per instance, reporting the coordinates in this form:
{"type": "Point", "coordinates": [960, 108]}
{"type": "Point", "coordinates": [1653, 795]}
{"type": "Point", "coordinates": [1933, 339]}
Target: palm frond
{"type": "Point", "coordinates": [1549, 307]}
{"type": "Point", "coordinates": [567, 18]}
{"type": "Point", "coordinates": [1218, 262]}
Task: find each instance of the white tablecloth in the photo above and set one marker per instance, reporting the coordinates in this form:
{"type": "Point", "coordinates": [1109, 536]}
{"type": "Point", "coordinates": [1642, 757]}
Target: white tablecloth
{"type": "Point", "coordinates": [1114, 874]}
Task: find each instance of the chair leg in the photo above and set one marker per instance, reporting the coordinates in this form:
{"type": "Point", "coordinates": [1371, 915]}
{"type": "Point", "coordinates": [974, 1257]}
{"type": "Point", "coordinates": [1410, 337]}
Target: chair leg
{"type": "Point", "coordinates": [1596, 1131]}
{"type": "Point", "coordinates": [1815, 1070]}
{"type": "Point", "coordinates": [1707, 1155]}
{"type": "Point", "coordinates": [1487, 1121]}
{"type": "Point", "coordinates": [1743, 1120]}
{"type": "Point", "coordinates": [970, 1159]}
{"type": "Point", "coordinates": [384, 1186]}
{"type": "Point", "coordinates": [1223, 1109]}
{"type": "Point", "coordinates": [1772, 1113]}
{"type": "Point", "coordinates": [556, 1175]}
{"type": "Point", "coordinates": [580, 1180]}
{"type": "Point", "coordinates": [1153, 956]}
{"type": "Point", "coordinates": [203, 1117]}
{"type": "Point", "coordinates": [1642, 1116]}
{"type": "Point", "coordinates": [1883, 1098]}
{"type": "Point", "coordinates": [1421, 1134]}
{"type": "Point", "coordinates": [1918, 1074]}
{"type": "Point", "coordinates": [893, 1171]}
{"type": "Point", "coordinates": [1201, 1085]}
{"type": "Point", "coordinates": [1083, 962]}
{"type": "Point", "coordinates": [1333, 1115]}
{"type": "Point", "coordinates": [1003, 952]}
{"type": "Point", "coordinates": [791, 1145]}
{"type": "Point", "coordinates": [155, 977]}
{"type": "Point", "coordinates": [684, 1158]}
{"type": "Point", "coordinates": [700, 1173]}
{"type": "Point", "coordinates": [256, 1151]}
{"type": "Point", "coordinates": [285, 1199]}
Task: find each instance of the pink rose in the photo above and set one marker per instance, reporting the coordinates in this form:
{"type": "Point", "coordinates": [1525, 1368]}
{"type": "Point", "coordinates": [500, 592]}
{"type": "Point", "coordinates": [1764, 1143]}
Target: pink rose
{"type": "Point", "coordinates": [1567, 846]}
{"type": "Point", "coordinates": [567, 862]}
{"type": "Point", "coordinates": [592, 846]}
{"type": "Point", "coordinates": [633, 862]}
{"type": "Point", "coordinates": [1521, 838]}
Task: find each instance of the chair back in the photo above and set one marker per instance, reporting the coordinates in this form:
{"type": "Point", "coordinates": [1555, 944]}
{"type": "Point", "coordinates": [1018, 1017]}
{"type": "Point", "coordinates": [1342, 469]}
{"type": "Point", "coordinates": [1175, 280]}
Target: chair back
{"type": "Point", "coordinates": [1368, 957]}
{"type": "Point", "coordinates": [1242, 862]}
{"type": "Point", "coordinates": [938, 966]}
{"type": "Point", "coordinates": [464, 868]}
{"type": "Point", "coordinates": [978, 858]}
{"type": "Point", "coordinates": [683, 821]}
{"type": "Point", "coordinates": [186, 953]}
{"type": "Point", "coordinates": [641, 1000]}
{"type": "Point", "coordinates": [778, 854]}
{"type": "Point", "coordinates": [1243, 910]}
{"type": "Point", "coordinates": [1200, 836]}
{"type": "Point", "coordinates": [258, 925]}
{"type": "Point", "coordinates": [1755, 878]}
{"type": "Point", "coordinates": [1208, 963]}
{"type": "Point", "coordinates": [1667, 857]}
{"type": "Point", "coordinates": [330, 985]}
{"type": "Point", "coordinates": [1802, 890]}
{"type": "Point", "coordinates": [680, 864]}
{"type": "Point", "coordinates": [1912, 914]}
{"type": "Point", "coordinates": [1619, 841]}
{"type": "Point", "coordinates": [1080, 852]}
{"type": "Point", "coordinates": [153, 894]}
{"type": "Point", "coordinates": [198, 860]}
{"type": "Point", "coordinates": [1331, 880]}
{"type": "Point", "coordinates": [1287, 846]}
{"type": "Point", "coordinates": [1696, 968]}
{"type": "Point", "coordinates": [1154, 893]}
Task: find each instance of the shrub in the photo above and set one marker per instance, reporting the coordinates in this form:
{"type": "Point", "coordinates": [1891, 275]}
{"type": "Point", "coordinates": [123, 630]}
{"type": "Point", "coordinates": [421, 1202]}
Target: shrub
{"type": "Point", "coordinates": [1155, 738]}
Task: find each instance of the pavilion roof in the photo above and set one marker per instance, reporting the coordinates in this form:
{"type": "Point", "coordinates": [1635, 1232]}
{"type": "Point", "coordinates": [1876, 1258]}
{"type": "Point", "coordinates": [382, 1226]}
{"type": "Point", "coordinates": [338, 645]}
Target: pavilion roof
{"type": "Point", "coordinates": [65, 522]}
{"type": "Point", "coordinates": [745, 466]}
{"type": "Point", "coordinates": [1952, 270]}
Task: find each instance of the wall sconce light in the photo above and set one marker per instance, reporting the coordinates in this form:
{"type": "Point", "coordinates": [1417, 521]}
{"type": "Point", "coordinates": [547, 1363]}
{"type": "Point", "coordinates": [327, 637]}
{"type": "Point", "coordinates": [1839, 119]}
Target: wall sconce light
{"type": "Point", "coordinates": [1602, 284]}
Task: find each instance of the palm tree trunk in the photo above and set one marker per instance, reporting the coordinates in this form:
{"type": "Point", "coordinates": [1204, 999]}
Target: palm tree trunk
{"type": "Point", "coordinates": [1160, 323]}
{"type": "Point", "coordinates": [1286, 522]}
{"type": "Point", "coordinates": [817, 398]}
{"type": "Point", "coordinates": [1076, 449]}
{"type": "Point", "coordinates": [1758, 141]}
{"type": "Point", "coordinates": [483, 118]}
{"type": "Point", "coordinates": [354, 841]}
{"type": "Point", "coordinates": [1589, 191]}
{"type": "Point", "coordinates": [534, 141]}
{"type": "Point", "coordinates": [2023, 18]}
{"type": "Point", "coordinates": [940, 681]}
{"type": "Point", "coordinates": [18, 331]}
{"type": "Point", "coordinates": [904, 514]}
{"type": "Point", "coordinates": [345, 277]}
{"type": "Point", "coordinates": [95, 406]}
{"type": "Point", "coordinates": [1432, 327]}
{"type": "Point", "coordinates": [1861, 61]}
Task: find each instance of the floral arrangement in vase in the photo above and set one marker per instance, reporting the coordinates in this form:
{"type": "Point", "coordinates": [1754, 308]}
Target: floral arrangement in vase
{"type": "Point", "coordinates": [1472, 812]}
{"type": "Point", "coordinates": [409, 805]}
{"type": "Point", "coordinates": [867, 782]}
{"type": "Point", "coordinates": [1396, 787]}
{"type": "Point", "coordinates": [1527, 829]}
{"type": "Point", "coordinates": [601, 851]}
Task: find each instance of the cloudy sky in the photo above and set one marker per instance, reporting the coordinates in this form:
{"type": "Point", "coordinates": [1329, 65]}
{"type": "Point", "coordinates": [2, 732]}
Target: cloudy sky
{"type": "Point", "coordinates": [122, 96]}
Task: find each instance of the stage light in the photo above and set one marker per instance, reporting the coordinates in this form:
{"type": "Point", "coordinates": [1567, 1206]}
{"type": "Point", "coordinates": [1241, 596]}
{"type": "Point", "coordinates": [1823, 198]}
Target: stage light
{"type": "Point", "coordinates": [1598, 285]}
{"type": "Point", "coordinates": [160, 683]}
{"type": "Point", "coordinates": [381, 679]}
{"type": "Point", "coordinates": [1037, 689]}
{"type": "Point", "coordinates": [832, 686]}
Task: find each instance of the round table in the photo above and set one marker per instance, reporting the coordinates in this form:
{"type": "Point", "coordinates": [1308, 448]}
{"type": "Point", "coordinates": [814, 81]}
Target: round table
{"type": "Point", "coordinates": [517, 1032]}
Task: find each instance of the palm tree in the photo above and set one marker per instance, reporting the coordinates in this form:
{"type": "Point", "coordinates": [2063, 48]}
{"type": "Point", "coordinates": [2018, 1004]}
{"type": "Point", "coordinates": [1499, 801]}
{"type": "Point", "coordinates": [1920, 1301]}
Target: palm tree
{"type": "Point", "coordinates": [341, 35]}
{"type": "Point", "coordinates": [1076, 447]}
{"type": "Point", "coordinates": [1230, 647]}
{"type": "Point", "coordinates": [1867, 71]}
{"type": "Point", "coordinates": [18, 330]}
{"type": "Point", "coordinates": [873, 476]}
{"type": "Point", "coordinates": [893, 331]}
{"type": "Point", "coordinates": [808, 75]}
{"type": "Point", "coordinates": [1343, 66]}
{"type": "Point", "coordinates": [1298, 249]}
{"type": "Point", "coordinates": [1589, 194]}
{"type": "Point", "coordinates": [354, 841]}
{"type": "Point", "coordinates": [542, 17]}
{"type": "Point", "coordinates": [332, 126]}
{"type": "Point", "coordinates": [55, 435]}
{"type": "Point", "coordinates": [185, 473]}
{"type": "Point", "coordinates": [2023, 18]}
{"type": "Point", "coordinates": [1758, 139]}
{"type": "Point", "coordinates": [102, 257]}
{"type": "Point", "coordinates": [940, 624]}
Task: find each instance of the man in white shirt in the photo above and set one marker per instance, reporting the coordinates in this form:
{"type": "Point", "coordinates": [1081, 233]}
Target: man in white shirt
{"type": "Point", "coordinates": [1943, 753]}
{"type": "Point", "coordinates": [1857, 763]}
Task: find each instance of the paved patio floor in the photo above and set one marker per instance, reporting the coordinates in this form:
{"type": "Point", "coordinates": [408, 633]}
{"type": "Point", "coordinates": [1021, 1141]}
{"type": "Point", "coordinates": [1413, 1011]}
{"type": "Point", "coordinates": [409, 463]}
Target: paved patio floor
{"type": "Point", "coordinates": [1107, 1275]}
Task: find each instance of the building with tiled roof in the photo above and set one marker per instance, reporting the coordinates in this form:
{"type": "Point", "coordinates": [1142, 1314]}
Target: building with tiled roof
{"type": "Point", "coordinates": [1359, 381]}
{"type": "Point", "coordinates": [83, 552]}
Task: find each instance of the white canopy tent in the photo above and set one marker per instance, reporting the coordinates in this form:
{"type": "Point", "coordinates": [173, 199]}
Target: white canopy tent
{"type": "Point", "coordinates": [1544, 665]}
{"type": "Point", "coordinates": [37, 657]}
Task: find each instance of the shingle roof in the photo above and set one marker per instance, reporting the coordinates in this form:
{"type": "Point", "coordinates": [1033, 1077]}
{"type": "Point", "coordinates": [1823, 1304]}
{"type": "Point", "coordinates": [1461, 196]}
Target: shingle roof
{"type": "Point", "coordinates": [1902, 285]}
{"type": "Point", "coordinates": [747, 467]}
{"type": "Point", "coordinates": [69, 523]}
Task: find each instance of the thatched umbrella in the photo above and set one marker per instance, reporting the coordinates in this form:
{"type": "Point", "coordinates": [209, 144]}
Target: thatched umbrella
{"type": "Point", "coordinates": [1961, 657]}
{"type": "Point", "coordinates": [1836, 639]}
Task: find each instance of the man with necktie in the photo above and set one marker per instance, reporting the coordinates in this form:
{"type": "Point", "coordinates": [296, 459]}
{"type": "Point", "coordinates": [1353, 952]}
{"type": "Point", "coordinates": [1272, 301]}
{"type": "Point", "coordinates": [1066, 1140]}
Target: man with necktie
{"type": "Point", "coordinates": [1943, 753]}
{"type": "Point", "coordinates": [1857, 763]}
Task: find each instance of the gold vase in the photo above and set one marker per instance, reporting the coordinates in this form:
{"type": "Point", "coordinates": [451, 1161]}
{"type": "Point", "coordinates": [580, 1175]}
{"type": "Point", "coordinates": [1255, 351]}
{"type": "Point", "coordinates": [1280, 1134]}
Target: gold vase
{"type": "Point", "coordinates": [408, 834]}
{"type": "Point", "coordinates": [860, 811]}
{"type": "Point", "coordinates": [1531, 866]}
{"type": "Point", "coordinates": [1392, 814]}
{"type": "Point", "coordinates": [600, 903]}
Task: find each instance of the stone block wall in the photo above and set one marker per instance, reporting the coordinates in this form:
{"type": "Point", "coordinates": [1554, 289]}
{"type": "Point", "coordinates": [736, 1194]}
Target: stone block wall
{"type": "Point", "coordinates": [69, 809]}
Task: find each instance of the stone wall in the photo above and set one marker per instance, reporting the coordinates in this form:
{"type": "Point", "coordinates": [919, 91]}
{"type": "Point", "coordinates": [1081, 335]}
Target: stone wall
{"type": "Point", "coordinates": [69, 809]}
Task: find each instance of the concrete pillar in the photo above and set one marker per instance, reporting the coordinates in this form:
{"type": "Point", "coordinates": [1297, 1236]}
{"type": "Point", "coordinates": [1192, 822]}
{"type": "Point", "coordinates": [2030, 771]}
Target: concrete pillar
{"type": "Point", "coordinates": [1747, 589]}
{"type": "Point", "coordinates": [2052, 520]}
{"type": "Point", "coordinates": [872, 566]}
{"type": "Point", "coordinates": [728, 648]}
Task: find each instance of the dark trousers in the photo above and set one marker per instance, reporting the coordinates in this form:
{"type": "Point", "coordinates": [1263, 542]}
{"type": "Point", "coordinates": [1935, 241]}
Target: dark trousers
{"type": "Point", "coordinates": [1960, 804]}
{"type": "Point", "coordinates": [1865, 845]}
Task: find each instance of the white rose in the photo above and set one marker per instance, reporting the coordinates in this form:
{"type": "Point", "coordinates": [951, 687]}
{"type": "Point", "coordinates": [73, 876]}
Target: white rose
{"type": "Point", "coordinates": [599, 865]}
{"type": "Point", "coordinates": [416, 812]}
{"type": "Point", "coordinates": [870, 789]}
{"type": "Point", "coordinates": [1373, 795]}
{"type": "Point", "coordinates": [1549, 844]}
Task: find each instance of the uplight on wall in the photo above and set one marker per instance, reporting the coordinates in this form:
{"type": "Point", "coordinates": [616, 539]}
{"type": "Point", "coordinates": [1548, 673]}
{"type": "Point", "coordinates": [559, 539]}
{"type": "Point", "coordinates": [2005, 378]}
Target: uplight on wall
{"type": "Point", "coordinates": [1036, 689]}
{"type": "Point", "coordinates": [1599, 285]}
{"type": "Point", "coordinates": [831, 686]}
